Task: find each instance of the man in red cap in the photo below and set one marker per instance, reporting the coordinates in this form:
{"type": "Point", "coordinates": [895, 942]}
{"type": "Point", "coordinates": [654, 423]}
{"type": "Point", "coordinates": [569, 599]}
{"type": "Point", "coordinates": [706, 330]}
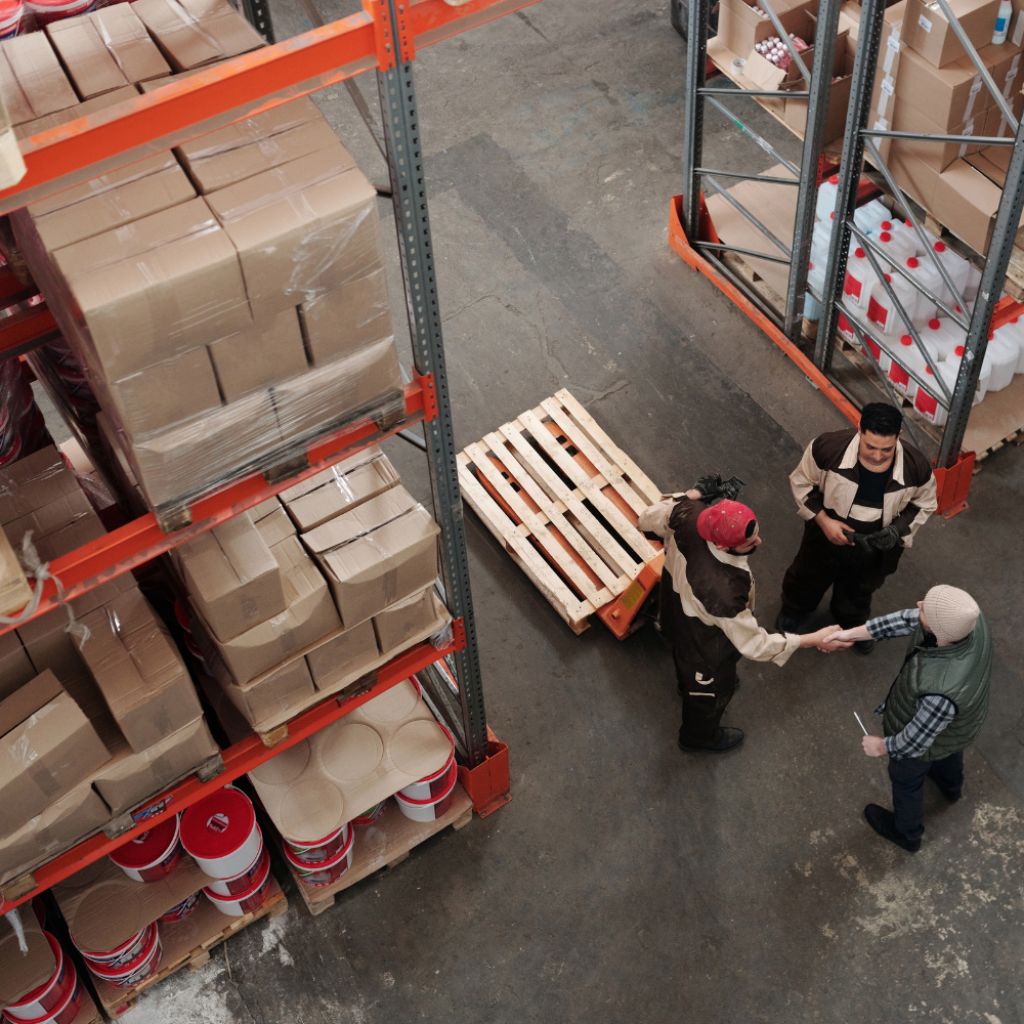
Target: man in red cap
{"type": "Point", "coordinates": [707, 597]}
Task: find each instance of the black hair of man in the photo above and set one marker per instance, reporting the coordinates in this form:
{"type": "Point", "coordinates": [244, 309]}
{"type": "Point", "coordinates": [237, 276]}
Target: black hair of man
{"type": "Point", "coordinates": [881, 418]}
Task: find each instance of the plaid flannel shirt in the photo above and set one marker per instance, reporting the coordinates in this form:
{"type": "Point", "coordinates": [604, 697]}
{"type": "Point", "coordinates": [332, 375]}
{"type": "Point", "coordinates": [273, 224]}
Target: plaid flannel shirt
{"type": "Point", "coordinates": [934, 712]}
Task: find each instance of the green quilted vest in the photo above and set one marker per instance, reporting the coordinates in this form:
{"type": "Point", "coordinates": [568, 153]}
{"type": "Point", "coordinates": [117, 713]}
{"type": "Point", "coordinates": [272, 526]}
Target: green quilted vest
{"type": "Point", "coordinates": [960, 672]}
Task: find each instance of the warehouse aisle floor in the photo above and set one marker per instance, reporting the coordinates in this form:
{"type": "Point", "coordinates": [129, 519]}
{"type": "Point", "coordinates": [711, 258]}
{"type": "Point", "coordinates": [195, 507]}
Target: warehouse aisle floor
{"type": "Point", "coordinates": [627, 881]}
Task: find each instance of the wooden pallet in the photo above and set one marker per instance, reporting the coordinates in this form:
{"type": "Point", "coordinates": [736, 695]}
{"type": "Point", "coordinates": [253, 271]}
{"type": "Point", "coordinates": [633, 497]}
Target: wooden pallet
{"type": "Point", "coordinates": [384, 844]}
{"type": "Point", "coordinates": [188, 944]}
{"type": "Point", "coordinates": [563, 499]}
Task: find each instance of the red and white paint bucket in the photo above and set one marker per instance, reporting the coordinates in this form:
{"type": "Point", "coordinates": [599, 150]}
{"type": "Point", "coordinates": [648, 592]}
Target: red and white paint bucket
{"type": "Point", "coordinates": [42, 1002]}
{"type": "Point", "coordinates": [63, 1014]}
{"type": "Point", "coordinates": [12, 18]}
{"type": "Point", "coordinates": [435, 806]}
{"type": "Point", "coordinates": [152, 855]}
{"type": "Point", "coordinates": [124, 953]}
{"type": "Point", "coordinates": [240, 904]}
{"type": "Point", "coordinates": [180, 910]}
{"type": "Point", "coordinates": [46, 11]}
{"type": "Point", "coordinates": [370, 816]}
{"type": "Point", "coordinates": [435, 784]}
{"type": "Point", "coordinates": [242, 883]}
{"type": "Point", "coordinates": [221, 835]}
{"type": "Point", "coordinates": [325, 872]}
{"type": "Point", "coordinates": [321, 850]}
{"type": "Point", "coordinates": [141, 967]}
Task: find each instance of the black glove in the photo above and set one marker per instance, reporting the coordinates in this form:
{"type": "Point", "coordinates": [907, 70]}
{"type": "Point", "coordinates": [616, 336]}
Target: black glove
{"type": "Point", "coordinates": [712, 487]}
{"type": "Point", "coordinates": [880, 540]}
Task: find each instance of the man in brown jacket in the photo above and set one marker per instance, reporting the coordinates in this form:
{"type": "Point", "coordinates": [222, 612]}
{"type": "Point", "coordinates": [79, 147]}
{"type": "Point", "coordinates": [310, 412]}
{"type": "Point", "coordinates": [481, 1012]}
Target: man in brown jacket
{"type": "Point", "coordinates": [707, 609]}
{"type": "Point", "coordinates": [863, 494]}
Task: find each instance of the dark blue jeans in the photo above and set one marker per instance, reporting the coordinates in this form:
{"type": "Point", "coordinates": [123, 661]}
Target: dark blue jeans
{"type": "Point", "coordinates": [907, 776]}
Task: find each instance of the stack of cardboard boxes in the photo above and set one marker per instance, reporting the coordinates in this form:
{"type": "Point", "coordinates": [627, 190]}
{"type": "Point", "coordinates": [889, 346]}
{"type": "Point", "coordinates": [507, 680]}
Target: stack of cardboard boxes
{"type": "Point", "coordinates": [303, 596]}
{"type": "Point", "coordinates": [226, 298]}
{"type": "Point", "coordinates": [927, 84]}
{"type": "Point", "coordinates": [93, 721]}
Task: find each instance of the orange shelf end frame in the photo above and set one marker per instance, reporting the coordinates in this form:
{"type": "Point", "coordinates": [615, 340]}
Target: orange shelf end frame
{"type": "Point", "coordinates": [488, 784]}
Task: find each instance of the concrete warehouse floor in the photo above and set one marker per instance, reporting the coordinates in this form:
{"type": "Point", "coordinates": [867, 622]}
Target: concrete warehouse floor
{"type": "Point", "coordinates": [626, 880]}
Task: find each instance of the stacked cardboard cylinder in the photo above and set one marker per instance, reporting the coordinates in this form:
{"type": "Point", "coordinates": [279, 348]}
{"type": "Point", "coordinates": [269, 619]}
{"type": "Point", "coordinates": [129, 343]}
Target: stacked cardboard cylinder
{"type": "Point", "coordinates": [93, 721]}
{"type": "Point", "coordinates": [303, 596]}
{"type": "Point", "coordinates": [226, 298]}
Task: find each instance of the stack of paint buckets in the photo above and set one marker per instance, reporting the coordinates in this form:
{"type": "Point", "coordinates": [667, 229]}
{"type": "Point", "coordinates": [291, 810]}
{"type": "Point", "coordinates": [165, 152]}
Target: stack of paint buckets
{"type": "Point", "coordinates": [56, 1001]}
{"type": "Point", "coordinates": [322, 862]}
{"type": "Point", "coordinates": [14, 19]}
{"type": "Point", "coordinates": [128, 964]}
{"type": "Point", "coordinates": [432, 796]}
{"type": "Point", "coordinates": [221, 834]}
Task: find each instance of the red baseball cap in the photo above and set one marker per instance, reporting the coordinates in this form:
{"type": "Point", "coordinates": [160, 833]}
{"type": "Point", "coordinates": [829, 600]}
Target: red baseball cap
{"type": "Point", "coordinates": [726, 523]}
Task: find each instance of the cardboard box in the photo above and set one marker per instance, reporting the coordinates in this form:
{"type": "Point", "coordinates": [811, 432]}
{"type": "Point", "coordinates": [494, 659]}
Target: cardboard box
{"type": "Point", "coordinates": [339, 488]}
{"type": "Point", "coordinates": [376, 554]}
{"type": "Point", "coordinates": [127, 39]}
{"type": "Point", "coordinates": [93, 106]}
{"type": "Point", "coordinates": [155, 288]}
{"type": "Point", "coordinates": [50, 518]}
{"type": "Point", "coordinates": [267, 353]}
{"type": "Point", "coordinates": [15, 666]}
{"type": "Point", "coordinates": [275, 526]}
{"type": "Point", "coordinates": [232, 577]}
{"type": "Point", "coordinates": [165, 393]}
{"type": "Point", "coordinates": [216, 161]}
{"type": "Point", "coordinates": [937, 155]}
{"type": "Point", "coordinates": [32, 81]}
{"type": "Point", "coordinates": [308, 616]}
{"type": "Point", "coordinates": [107, 208]}
{"type": "Point", "coordinates": [65, 821]}
{"type": "Point", "coordinates": [300, 229]}
{"type": "Point", "coordinates": [197, 456]}
{"type": "Point", "coordinates": [348, 318]}
{"type": "Point", "coordinates": [928, 33]}
{"type": "Point", "coordinates": [131, 778]}
{"type": "Point", "coordinates": [367, 381]}
{"type": "Point", "coordinates": [966, 201]}
{"type": "Point", "coordinates": [397, 625]}
{"type": "Point", "coordinates": [192, 35]}
{"type": "Point", "coordinates": [264, 509]}
{"type": "Point", "coordinates": [795, 114]}
{"type": "Point", "coordinates": [993, 162]}
{"type": "Point", "coordinates": [334, 662]}
{"type": "Point", "coordinates": [272, 696]}
{"type": "Point", "coordinates": [918, 180]}
{"type": "Point", "coordinates": [46, 746]}
{"type": "Point", "coordinates": [946, 96]}
{"type": "Point", "coordinates": [137, 668]}
{"type": "Point", "coordinates": [15, 592]}
{"type": "Point", "coordinates": [887, 70]}
{"type": "Point", "coordinates": [33, 482]}
{"type": "Point", "coordinates": [740, 27]}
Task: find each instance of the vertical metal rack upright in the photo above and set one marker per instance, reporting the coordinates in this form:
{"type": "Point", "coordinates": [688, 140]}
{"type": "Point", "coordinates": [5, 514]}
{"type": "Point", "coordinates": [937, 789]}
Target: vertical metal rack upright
{"type": "Point", "coordinates": [692, 233]}
{"type": "Point", "coordinates": [384, 36]}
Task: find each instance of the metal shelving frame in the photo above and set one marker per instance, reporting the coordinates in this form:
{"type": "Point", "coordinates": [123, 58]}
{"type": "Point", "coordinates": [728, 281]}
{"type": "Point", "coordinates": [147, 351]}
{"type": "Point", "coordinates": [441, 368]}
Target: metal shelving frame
{"type": "Point", "coordinates": [692, 234]}
{"type": "Point", "coordinates": [384, 36]}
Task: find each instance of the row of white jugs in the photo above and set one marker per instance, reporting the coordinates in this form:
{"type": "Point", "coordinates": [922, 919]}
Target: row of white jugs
{"type": "Point", "coordinates": [942, 337]}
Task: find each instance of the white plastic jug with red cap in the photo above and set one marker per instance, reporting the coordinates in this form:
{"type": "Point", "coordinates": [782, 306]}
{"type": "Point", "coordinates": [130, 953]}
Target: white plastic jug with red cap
{"type": "Point", "coordinates": [929, 398]}
{"type": "Point", "coordinates": [896, 242]}
{"type": "Point", "coordinates": [983, 378]}
{"type": "Point", "coordinates": [1001, 355]}
{"type": "Point", "coordinates": [908, 365]}
{"type": "Point", "coordinates": [884, 312]}
{"type": "Point", "coordinates": [815, 283]}
{"type": "Point", "coordinates": [924, 274]}
{"type": "Point", "coordinates": [944, 335]}
{"type": "Point", "coordinates": [825, 203]}
{"type": "Point", "coordinates": [870, 216]}
{"type": "Point", "coordinates": [877, 353]}
{"type": "Point", "coordinates": [1015, 329]}
{"type": "Point", "coordinates": [973, 281]}
{"type": "Point", "coordinates": [958, 269]}
{"type": "Point", "coordinates": [860, 278]}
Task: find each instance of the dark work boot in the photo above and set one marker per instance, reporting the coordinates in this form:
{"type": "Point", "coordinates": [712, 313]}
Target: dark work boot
{"type": "Point", "coordinates": [725, 739]}
{"type": "Point", "coordinates": [884, 823]}
{"type": "Point", "coordinates": [864, 646]}
{"type": "Point", "coordinates": [788, 622]}
{"type": "Point", "coordinates": [951, 795]}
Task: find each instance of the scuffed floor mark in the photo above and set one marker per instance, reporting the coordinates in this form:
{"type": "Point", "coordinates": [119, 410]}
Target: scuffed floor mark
{"type": "Point", "coordinates": [273, 936]}
{"type": "Point", "coordinates": [947, 964]}
{"type": "Point", "coordinates": [191, 997]}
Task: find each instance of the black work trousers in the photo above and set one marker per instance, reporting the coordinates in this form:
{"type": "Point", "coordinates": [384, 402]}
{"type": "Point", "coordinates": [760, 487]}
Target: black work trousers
{"type": "Point", "coordinates": [854, 576]}
{"type": "Point", "coordinates": [907, 776]}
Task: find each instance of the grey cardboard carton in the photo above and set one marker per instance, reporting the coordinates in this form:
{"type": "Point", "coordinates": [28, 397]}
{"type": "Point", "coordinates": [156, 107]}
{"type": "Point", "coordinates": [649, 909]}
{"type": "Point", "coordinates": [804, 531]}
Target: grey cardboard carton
{"type": "Point", "coordinates": [335, 661]}
{"type": "Point", "coordinates": [46, 746]}
{"type": "Point", "coordinates": [156, 287]}
{"type": "Point", "coordinates": [309, 615]}
{"type": "Point", "coordinates": [165, 393]}
{"type": "Point", "coordinates": [139, 671]}
{"type": "Point", "coordinates": [300, 229]}
{"type": "Point", "coordinates": [376, 554]}
{"type": "Point", "coordinates": [348, 318]}
{"type": "Point", "coordinates": [339, 488]}
{"type": "Point", "coordinates": [232, 577]}
{"type": "Point", "coordinates": [266, 353]}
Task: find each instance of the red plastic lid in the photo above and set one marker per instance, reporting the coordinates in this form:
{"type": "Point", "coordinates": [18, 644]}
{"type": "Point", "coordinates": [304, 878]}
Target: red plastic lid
{"type": "Point", "coordinates": [885, 237]}
{"type": "Point", "coordinates": [928, 370]}
{"type": "Point", "coordinates": [939, 247]}
{"type": "Point", "coordinates": [906, 340]}
{"type": "Point", "coordinates": [217, 825]}
{"type": "Point", "coordinates": [859, 253]}
{"type": "Point", "coordinates": [959, 350]}
{"type": "Point", "coordinates": [934, 323]}
{"type": "Point", "coordinates": [834, 180]}
{"type": "Point", "coordinates": [886, 225]}
{"type": "Point", "coordinates": [832, 215]}
{"type": "Point", "coordinates": [888, 278]}
{"type": "Point", "coordinates": [147, 848]}
{"type": "Point", "coordinates": [912, 262]}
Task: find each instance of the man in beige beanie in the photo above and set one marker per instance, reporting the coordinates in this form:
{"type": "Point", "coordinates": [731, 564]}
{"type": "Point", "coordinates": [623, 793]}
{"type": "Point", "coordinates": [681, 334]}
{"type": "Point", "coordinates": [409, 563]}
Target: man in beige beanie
{"type": "Point", "coordinates": [935, 706]}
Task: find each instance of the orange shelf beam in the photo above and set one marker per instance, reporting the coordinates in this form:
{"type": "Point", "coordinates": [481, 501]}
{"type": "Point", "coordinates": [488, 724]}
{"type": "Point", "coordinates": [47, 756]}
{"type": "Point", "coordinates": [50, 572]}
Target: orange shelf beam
{"type": "Point", "coordinates": [239, 759]}
{"type": "Point", "coordinates": [132, 545]}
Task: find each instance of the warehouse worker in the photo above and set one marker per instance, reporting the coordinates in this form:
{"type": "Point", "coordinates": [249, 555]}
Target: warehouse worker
{"type": "Point", "coordinates": [707, 598]}
{"type": "Point", "coordinates": [935, 706]}
{"type": "Point", "coordinates": [864, 495]}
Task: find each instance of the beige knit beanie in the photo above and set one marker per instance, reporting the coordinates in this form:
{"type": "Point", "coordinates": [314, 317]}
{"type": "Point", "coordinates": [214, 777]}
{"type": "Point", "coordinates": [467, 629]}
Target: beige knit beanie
{"type": "Point", "coordinates": [950, 613]}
